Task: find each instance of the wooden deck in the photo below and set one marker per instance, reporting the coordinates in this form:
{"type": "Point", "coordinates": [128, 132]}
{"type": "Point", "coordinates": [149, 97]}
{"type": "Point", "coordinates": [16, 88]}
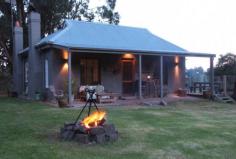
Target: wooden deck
{"type": "Point", "coordinates": [193, 94]}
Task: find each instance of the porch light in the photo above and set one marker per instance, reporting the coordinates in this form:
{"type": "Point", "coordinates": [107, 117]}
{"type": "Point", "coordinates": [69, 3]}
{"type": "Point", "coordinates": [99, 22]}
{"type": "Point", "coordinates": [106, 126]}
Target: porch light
{"type": "Point", "coordinates": [148, 77]}
{"type": "Point", "coordinates": [65, 55]}
{"type": "Point", "coordinates": [176, 68]}
{"type": "Point", "coordinates": [128, 56]}
{"type": "Point", "coordinates": [176, 60]}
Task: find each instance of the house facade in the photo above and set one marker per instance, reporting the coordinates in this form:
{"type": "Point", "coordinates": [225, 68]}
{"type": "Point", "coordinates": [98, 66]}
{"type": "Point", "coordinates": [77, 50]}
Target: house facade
{"type": "Point", "coordinates": [125, 60]}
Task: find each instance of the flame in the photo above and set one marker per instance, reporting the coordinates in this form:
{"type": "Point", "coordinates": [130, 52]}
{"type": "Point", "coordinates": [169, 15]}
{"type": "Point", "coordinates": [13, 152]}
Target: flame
{"type": "Point", "coordinates": [94, 119]}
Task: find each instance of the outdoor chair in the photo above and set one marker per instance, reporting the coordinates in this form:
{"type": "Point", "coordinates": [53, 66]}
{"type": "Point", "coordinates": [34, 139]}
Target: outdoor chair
{"type": "Point", "coordinates": [102, 96]}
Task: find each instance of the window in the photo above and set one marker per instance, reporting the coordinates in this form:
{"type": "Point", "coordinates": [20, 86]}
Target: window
{"type": "Point", "coordinates": [46, 74]}
{"type": "Point", "coordinates": [89, 71]}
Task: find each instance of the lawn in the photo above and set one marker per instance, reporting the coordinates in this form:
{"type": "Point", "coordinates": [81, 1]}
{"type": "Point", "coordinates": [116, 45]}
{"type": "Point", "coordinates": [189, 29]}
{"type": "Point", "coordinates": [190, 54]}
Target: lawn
{"type": "Point", "coordinates": [28, 130]}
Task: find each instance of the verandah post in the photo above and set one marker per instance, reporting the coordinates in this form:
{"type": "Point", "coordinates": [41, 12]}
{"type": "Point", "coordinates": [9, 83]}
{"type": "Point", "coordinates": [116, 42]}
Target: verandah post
{"type": "Point", "coordinates": [161, 77]}
{"type": "Point", "coordinates": [212, 76]}
{"type": "Point", "coordinates": [69, 79]}
{"type": "Point", "coordinates": [140, 77]}
{"type": "Point", "coordinates": [162, 102]}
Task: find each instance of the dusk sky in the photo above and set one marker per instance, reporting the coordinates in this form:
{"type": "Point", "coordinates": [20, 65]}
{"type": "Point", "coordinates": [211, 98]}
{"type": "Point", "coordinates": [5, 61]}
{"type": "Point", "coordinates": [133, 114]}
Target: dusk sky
{"type": "Point", "coordinates": [207, 26]}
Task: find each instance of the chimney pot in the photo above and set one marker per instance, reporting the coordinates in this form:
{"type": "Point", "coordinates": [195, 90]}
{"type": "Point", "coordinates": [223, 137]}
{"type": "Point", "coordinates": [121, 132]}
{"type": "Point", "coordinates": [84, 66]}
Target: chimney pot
{"type": "Point", "coordinates": [17, 23]}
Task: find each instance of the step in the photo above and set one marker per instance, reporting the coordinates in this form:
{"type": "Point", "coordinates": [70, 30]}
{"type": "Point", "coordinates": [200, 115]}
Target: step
{"type": "Point", "coordinates": [224, 99]}
{"type": "Point", "coordinates": [228, 101]}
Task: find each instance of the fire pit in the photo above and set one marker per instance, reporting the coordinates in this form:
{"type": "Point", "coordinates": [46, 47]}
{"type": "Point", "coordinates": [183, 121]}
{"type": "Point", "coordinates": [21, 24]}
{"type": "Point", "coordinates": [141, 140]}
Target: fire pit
{"type": "Point", "coordinates": [91, 129]}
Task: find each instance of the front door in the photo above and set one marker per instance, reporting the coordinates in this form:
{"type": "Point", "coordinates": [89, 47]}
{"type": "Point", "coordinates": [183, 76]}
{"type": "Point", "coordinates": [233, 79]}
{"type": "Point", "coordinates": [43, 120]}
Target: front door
{"type": "Point", "coordinates": [128, 76]}
{"type": "Point", "coordinates": [90, 72]}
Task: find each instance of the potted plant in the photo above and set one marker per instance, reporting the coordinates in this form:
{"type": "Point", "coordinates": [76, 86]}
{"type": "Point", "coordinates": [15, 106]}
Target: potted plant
{"type": "Point", "coordinates": [62, 101]}
{"type": "Point", "coordinates": [37, 95]}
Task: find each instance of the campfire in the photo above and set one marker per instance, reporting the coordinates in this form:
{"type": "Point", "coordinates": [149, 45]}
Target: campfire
{"type": "Point", "coordinates": [95, 119]}
{"type": "Point", "coordinates": [91, 129]}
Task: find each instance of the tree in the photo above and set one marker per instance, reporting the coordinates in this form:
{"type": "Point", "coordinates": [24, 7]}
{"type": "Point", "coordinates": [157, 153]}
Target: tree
{"type": "Point", "coordinates": [196, 75]}
{"type": "Point", "coordinates": [5, 34]}
{"type": "Point", "coordinates": [53, 12]}
{"type": "Point", "coordinates": [226, 65]}
{"type": "Point", "coordinates": [107, 12]}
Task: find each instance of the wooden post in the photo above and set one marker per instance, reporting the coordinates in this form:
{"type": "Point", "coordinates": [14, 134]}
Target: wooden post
{"type": "Point", "coordinates": [140, 77]}
{"type": "Point", "coordinates": [225, 85]}
{"type": "Point", "coordinates": [161, 77]}
{"type": "Point", "coordinates": [212, 76]}
{"type": "Point", "coordinates": [162, 102]}
{"type": "Point", "coordinates": [69, 79]}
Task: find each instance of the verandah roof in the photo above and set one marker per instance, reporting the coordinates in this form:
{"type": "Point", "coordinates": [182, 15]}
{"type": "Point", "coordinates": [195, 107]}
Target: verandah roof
{"type": "Point", "coordinates": [96, 36]}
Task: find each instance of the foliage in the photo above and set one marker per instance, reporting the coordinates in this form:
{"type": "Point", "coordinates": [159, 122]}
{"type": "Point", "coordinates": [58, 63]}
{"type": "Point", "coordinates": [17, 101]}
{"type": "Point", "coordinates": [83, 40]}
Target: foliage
{"type": "Point", "coordinates": [193, 130]}
{"type": "Point", "coordinates": [5, 34]}
{"type": "Point", "coordinates": [107, 12]}
{"type": "Point", "coordinates": [57, 10]}
{"type": "Point", "coordinates": [196, 75]}
{"type": "Point", "coordinates": [5, 81]}
{"type": "Point", "coordinates": [226, 65]}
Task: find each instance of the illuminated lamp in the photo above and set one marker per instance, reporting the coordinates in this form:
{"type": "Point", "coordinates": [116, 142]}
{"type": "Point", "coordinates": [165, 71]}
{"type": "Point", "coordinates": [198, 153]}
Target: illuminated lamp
{"type": "Point", "coordinates": [128, 56]}
{"type": "Point", "coordinates": [65, 55]}
{"type": "Point", "coordinates": [176, 61]}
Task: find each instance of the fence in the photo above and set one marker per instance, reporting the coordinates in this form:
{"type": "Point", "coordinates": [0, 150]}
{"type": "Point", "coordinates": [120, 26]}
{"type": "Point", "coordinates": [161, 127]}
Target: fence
{"type": "Point", "coordinates": [230, 83]}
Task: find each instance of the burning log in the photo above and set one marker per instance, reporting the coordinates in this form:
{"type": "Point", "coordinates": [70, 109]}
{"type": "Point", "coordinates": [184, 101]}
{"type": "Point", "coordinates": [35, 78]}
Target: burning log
{"type": "Point", "coordinates": [95, 119]}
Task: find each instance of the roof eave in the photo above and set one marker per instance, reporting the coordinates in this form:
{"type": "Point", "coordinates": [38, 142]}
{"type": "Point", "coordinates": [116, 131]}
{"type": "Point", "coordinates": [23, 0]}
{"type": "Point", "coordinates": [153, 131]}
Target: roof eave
{"type": "Point", "coordinates": [146, 52]}
{"type": "Point", "coordinates": [121, 51]}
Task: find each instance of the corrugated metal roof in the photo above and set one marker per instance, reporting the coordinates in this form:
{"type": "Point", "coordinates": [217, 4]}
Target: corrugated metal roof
{"type": "Point", "coordinates": [82, 35]}
{"type": "Point", "coordinates": [78, 34]}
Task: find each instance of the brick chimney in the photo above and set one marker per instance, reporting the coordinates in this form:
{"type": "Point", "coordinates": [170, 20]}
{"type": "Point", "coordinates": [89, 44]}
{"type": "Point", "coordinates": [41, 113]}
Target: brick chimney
{"type": "Point", "coordinates": [34, 58]}
{"type": "Point", "coordinates": [17, 62]}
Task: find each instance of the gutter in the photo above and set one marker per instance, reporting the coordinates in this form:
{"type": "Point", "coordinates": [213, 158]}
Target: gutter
{"type": "Point", "coordinates": [122, 51]}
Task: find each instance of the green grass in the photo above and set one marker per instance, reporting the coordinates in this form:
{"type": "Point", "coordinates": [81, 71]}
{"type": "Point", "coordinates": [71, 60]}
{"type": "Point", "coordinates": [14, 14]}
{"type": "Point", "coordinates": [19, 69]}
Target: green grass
{"type": "Point", "coordinates": [28, 130]}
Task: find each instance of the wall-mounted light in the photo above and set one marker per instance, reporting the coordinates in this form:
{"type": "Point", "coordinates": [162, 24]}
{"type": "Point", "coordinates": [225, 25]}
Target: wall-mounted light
{"type": "Point", "coordinates": [128, 56]}
{"type": "Point", "coordinates": [64, 68]}
{"type": "Point", "coordinates": [65, 55]}
{"type": "Point", "coordinates": [176, 62]}
{"type": "Point", "coordinates": [176, 68]}
{"type": "Point", "coordinates": [148, 77]}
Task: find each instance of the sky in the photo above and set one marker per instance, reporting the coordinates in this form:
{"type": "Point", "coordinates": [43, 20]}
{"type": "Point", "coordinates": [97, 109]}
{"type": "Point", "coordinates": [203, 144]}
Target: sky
{"type": "Point", "coordinates": [207, 26]}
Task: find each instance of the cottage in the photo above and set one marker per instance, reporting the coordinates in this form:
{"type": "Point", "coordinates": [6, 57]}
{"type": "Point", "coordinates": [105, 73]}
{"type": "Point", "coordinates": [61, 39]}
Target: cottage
{"type": "Point", "coordinates": [125, 60]}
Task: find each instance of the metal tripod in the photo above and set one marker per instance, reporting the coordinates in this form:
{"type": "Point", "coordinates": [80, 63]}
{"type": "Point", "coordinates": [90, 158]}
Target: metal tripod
{"type": "Point", "coordinates": [90, 101]}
